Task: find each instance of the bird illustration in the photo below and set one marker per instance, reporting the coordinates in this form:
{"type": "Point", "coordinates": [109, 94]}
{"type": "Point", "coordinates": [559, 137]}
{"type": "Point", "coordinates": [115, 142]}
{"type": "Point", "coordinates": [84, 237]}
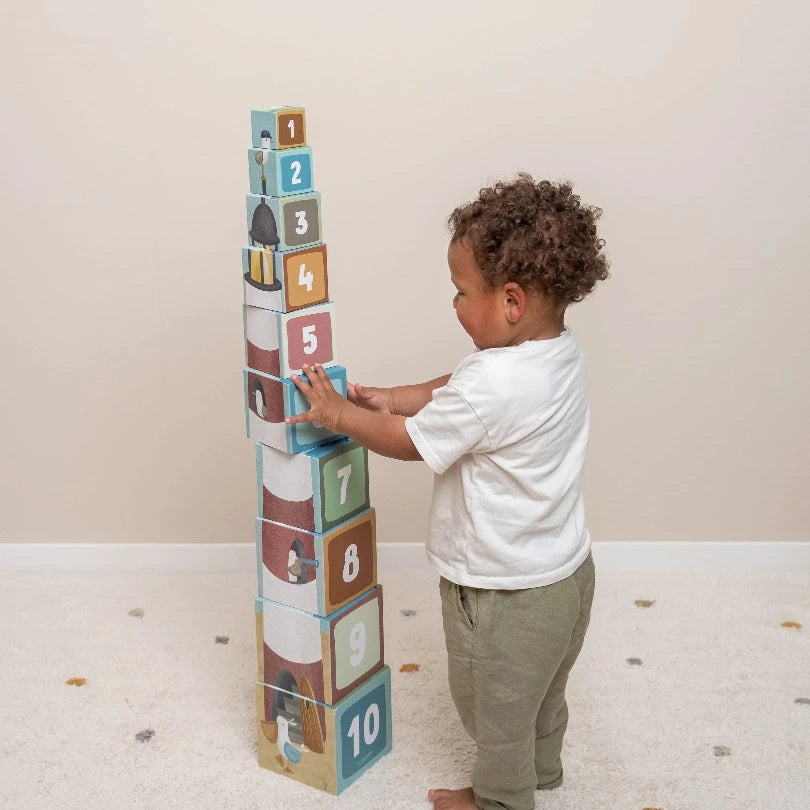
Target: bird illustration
{"type": "Point", "coordinates": [288, 754]}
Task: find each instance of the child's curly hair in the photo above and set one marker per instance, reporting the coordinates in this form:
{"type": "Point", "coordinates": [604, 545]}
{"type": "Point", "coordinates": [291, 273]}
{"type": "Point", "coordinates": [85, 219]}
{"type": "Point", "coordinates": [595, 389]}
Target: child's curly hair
{"type": "Point", "coordinates": [538, 235]}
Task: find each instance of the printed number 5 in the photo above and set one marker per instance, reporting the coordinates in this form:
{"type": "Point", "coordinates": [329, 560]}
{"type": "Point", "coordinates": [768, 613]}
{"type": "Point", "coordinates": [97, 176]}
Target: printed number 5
{"type": "Point", "coordinates": [303, 225]}
{"type": "Point", "coordinates": [310, 340]}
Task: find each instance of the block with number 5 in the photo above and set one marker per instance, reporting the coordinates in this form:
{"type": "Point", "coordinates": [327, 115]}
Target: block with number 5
{"type": "Point", "coordinates": [280, 343]}
{"type": "Point", "coordinates": [285, 280]}
{"type": "Point", "coordinates": [321, 657]}
{"type": "Point", "coordinates": [282, 223]}
{"type": "Point", "coordinates": [317, 572]}
{"type": "Point", "coordinates": [325, 746]}
{"type": "Point", "coordinates": [314, 490]}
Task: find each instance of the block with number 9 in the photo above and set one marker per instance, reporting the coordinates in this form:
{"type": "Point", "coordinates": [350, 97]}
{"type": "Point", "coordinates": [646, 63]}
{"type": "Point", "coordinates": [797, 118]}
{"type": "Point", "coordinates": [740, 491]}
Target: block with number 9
{"type": "Point", "coordinates": [325, 746]}
{"type": "Point", "coordinates": [326, 657]}
{"type": "Point", "coordinates": [317, 572]}
{"type": "Point", "coordinates": [282, 223]}
{"type": "Point", "coordinates": [278, 127]}
{"type": "Point", "coordinates": [314, 490]}
{"type": "Point", "coordinates": [280, 343]}
{"type": "Point", "coordinates": [276, 173]}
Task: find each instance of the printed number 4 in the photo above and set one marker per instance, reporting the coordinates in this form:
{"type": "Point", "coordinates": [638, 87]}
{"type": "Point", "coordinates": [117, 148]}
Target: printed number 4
{"type": "Point", "coordinates": [305, 278]}
{"type": "Point", "coordinates": [303, 225]}
{"type": "Point", "coordinates": [371, 727]}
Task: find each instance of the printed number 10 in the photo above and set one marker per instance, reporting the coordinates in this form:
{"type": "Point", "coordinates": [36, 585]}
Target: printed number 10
{"type": "Point", "coordinates": [371, 727]}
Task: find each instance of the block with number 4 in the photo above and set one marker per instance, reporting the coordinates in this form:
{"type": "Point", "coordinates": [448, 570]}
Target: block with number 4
{"type": "Point", "coordinates": [270, 400]}
{"type": "Point", "coordinates": [285, 280]}
{"type": "Point", "coordinates": [314, 490]}
{"type": "Point", "coordinates": [275, 172]}
{"type": "Point", "coordinates": [280, 343]}
{"type": "Point", "coordinates": [325, 746]}
{"type": "Point", "coordinates": [278, 127]}
{"type": "Point", "coordinates": [283, 223]}
{"type": "Point", "coordinates": [325, 657]}
{"type": "Point", "coordinates": [317, 572]}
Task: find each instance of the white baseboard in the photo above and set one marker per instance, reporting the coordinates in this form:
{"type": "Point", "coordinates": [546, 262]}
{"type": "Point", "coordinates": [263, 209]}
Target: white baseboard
{"type": "Point", "coordinates": [776, 556]}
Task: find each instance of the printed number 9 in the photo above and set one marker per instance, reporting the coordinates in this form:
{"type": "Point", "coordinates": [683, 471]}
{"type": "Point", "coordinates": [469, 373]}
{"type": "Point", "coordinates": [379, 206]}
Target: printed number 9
{"type": "Point", "coordinates": [371, 727]}
{"type": "Point", "coordinates": [357, 641]}
{"type": "Point", "coordinates": [351, 563]}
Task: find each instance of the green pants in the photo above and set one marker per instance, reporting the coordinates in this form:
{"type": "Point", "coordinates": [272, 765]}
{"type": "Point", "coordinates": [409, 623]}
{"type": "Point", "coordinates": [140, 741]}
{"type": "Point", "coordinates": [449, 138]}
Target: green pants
{"type": "Point", "coordinates": [509, 655]}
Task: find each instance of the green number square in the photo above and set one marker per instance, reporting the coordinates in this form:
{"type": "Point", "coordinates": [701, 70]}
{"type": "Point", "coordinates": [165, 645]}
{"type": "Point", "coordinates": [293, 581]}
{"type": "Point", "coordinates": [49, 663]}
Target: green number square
{"type": "Point", "coordinates": [344, 493]}
{"type": "Point", "coordinates": [357, 650]}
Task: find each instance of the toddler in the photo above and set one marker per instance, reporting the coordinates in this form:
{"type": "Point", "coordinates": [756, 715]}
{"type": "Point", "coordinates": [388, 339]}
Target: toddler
{"type": "Point", "coordinates": [505, 435]}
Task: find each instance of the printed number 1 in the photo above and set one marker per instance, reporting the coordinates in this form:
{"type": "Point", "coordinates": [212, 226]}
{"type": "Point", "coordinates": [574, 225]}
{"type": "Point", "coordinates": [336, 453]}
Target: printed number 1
{"type": "Point", "coordinates": [371, 727]}
{"type": "Point", "coordinates": [344, 473]}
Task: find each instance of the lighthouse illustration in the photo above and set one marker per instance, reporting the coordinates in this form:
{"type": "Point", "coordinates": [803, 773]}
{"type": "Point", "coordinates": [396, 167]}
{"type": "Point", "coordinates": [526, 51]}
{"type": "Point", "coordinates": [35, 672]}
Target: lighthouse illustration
{"type": "Point", "coordinates": [323, 693]}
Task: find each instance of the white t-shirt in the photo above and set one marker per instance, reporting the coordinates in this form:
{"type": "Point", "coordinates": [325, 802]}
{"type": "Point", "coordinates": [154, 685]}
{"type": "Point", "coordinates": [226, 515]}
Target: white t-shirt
{"type": "Point", "coordinates": [506, 438]}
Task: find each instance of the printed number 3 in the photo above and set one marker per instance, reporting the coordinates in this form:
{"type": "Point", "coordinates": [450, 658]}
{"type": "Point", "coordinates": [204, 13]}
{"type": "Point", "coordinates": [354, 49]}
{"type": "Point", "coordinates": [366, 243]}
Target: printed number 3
{"type": "Point", "coordinates": [351, 563]}
{"type": "Point", "coordinates": [303, 225]}
{"type": "Point", "coordinates": [371, 727]}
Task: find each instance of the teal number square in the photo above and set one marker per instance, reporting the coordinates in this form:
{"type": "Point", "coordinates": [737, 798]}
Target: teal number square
{"type": "Point", "coordinates": [296, 172]}
{"type": "Point", "coordinates": [357, 643]}
{"type": "Point", "coordinates": [343, 492]}
{"type": "Point", "coordinates": [363, 731]}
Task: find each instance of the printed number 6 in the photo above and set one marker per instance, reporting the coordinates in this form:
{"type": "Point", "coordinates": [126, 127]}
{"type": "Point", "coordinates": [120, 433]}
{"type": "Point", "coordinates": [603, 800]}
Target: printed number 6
{"type": "Point", "coordinates": [351, 563]}
{"type": "Point", "coordinates": [303, 225]}
{"type": "Point", "coordinates": [310, 340]}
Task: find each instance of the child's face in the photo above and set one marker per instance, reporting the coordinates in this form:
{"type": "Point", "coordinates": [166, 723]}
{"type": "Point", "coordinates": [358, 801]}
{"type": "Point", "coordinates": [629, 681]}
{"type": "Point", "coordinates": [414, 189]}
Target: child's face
{"type": "Point", "coordinates": [479, 309]}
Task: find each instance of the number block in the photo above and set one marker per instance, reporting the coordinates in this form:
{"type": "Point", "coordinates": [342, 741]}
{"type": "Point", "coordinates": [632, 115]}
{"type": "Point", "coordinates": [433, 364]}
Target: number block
{"type": "Point", "coordinates": [285, 280]}
{"type": "Point", "coordinates": [326, 658]}
{"type": "Point", "coordinates": [315, 490]}
{"type": "Point", "coordinates": [317, 572]}
{"type": "Point", "coordinates": [284, 222]}
{"type": "Point", "coordinates": [269, 400]}
{"type": "Point", "coordinates": [276, 172]}
{"type": "Point", "coordinates": [280, 343]}
{"type": "Point", "coordinates": [278, 127]}
{"type": "Point", "coordinates": [325, 746]}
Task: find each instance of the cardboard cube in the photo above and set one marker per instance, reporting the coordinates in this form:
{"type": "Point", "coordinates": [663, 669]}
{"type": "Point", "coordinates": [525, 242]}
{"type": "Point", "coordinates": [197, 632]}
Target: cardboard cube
{"type": "Point", "coordinates": [278, 127]}
{"type": "Point", "coordinates": [327, 657]}
{"type": "Point", "coordinates": [285, 280]}
{"type": "Point", "coordinates": [276, 172]}
{"type": "Point", "coordinates": [315, 490]}
{"type": "Point", "coordinates": [283, 223]}
{"type": "Point", "coordinates": [318, 573]}
{"type": "Point", "coordinates": [326, 747]}
{"type": "Point", "coordinates": [269, 400]}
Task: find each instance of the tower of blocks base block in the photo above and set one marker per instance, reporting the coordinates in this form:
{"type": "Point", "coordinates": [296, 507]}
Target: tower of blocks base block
{"type": "Point", "coordinates": [323, 692]}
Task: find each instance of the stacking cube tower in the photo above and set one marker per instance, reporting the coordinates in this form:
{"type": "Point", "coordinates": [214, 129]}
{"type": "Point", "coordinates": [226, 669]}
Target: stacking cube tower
{"type": "Point", "coordinates": [323, 693]}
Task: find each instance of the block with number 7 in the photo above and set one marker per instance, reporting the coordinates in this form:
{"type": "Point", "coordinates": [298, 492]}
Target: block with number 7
{"type": "Point", "coordinates": [285, 280]}
{"type": "Point", "coordinates": [315, 490]}
{"type": "Point", "coordinates": [317, 572]}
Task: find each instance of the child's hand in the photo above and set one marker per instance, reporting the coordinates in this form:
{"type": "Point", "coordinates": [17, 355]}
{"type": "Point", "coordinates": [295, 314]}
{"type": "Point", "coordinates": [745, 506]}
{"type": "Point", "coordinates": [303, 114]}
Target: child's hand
{"type": "Point", "coordinates": [326, 404]}
{"type": "Point", "coordinates": [378, 400]}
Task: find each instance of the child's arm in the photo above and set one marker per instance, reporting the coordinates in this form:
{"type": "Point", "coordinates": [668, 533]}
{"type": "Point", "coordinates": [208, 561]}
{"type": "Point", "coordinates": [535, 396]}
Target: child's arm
{"type": "Point", "coordinates": [380, 430]}
{"type": "Point", "coordinates": [404, 400]}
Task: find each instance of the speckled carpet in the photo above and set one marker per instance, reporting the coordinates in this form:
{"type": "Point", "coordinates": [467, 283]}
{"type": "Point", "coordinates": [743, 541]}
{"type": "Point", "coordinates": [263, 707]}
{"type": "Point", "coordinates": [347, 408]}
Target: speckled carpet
{"type": "Point", "coordinates": [692, 693]}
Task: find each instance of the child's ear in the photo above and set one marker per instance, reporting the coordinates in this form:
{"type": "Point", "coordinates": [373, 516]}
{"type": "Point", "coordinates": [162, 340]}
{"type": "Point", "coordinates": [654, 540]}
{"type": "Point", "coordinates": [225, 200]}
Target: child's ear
{"type": "Point", "coordinates": [514, 301]}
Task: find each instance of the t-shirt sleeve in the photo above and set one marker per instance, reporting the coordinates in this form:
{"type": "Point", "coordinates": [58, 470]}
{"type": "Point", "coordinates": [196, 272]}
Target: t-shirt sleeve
{"type": "Point", "coordinates": [447, 428]}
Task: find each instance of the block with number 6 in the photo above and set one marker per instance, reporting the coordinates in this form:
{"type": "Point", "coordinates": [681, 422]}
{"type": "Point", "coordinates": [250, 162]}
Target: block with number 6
{"type": "Point", "coordinates": [325, 746]}
{"type": "Point", "coordinates": [324, 658]}
{"type": "Point", "coordinates": [285, 280]}
{"type": "Point", "coordinates": [314, 490]}
{"type": "Point", "coordinates": [283, 223]}
{"type": "Point", "coordinates": [317, 572]}
{"type": "Point", "coordinates": [280, 343]}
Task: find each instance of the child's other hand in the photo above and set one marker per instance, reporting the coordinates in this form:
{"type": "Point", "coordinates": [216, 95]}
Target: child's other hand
{"type": "Point", "coordinates": [325, 403]}
{"type": "Point", "coordinates": [378, 400]}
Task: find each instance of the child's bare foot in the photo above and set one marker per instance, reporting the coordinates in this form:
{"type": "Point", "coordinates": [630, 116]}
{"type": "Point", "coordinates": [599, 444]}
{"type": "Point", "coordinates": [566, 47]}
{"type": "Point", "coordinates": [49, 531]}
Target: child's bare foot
{"type": "Point", "coordinates": [453, 799]}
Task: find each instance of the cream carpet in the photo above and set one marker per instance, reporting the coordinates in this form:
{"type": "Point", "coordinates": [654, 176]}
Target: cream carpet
{"type": "Point", "coordinates": [699, 701]}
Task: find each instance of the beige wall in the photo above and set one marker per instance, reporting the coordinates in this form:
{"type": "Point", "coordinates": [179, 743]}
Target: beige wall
{"type": "Point", "coordinates": [124, 138]}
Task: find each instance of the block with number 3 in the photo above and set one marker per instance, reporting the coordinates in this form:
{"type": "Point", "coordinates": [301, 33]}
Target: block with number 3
{"type": "Point", "coordinates": [280, 343]}
{"type": "Point", "coordinates": [317, 572]}
{"type": "Point", "coordinates": [314, 490]}
{"type": "Point", "coordinates": [283, 223]}
{"type": "Point", "coordinates": [325, 746]}
{"type": "Point", "coordinates": [321, 657]}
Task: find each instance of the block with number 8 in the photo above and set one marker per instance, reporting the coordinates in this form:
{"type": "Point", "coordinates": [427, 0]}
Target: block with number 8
{"type": "Point", "coordinates": [314, 490]}
{"type": "Point", "coordinates": [325, 657]}
{"type": "Point", "coordinates": [317, 572]}
{"type": "Point", "coordinates": [280, 343]}
{"type": "Point", "coordinates": [277, 172]}
{"type": "Point", "coordinates": [325, 746]}
{"type": "Point", "coordinates": [282, 223]}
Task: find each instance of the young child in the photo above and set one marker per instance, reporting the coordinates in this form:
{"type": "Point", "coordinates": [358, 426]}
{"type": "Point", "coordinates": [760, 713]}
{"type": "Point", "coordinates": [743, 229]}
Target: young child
{"type": "Point", "coordinates": [505, 435]}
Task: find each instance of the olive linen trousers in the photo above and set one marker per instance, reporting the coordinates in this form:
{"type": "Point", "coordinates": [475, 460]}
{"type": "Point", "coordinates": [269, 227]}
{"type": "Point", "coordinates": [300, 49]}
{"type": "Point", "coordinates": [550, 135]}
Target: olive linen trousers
{"type": "Point", "coordinates": [509, 655]}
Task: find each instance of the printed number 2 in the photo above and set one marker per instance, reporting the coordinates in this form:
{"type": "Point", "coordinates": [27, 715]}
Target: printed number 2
{"type": "Point", "coordinates": [371, 727]}
{"type": "Point", "coordinates": [344, 473]}
{"type": "Point", "coordinates": [305, 278]}
{"type": "Point", "coordinates": [351, 563]}
{"type": "Point", "coordinates": [303, 225]}
{"type": "Point", "coordinates": [310, 340]}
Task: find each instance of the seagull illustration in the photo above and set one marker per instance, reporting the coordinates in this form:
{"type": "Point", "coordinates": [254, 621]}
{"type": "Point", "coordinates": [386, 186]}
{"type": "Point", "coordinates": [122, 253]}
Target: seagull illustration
{"type": "Point", "coordinates": [287, 752]}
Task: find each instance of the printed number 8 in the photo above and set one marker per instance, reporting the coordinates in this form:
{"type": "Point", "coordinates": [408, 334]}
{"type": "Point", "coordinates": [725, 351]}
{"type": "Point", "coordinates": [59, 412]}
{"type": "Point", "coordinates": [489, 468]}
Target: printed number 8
{"type": "Point", "coordinates": [351, 563]}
